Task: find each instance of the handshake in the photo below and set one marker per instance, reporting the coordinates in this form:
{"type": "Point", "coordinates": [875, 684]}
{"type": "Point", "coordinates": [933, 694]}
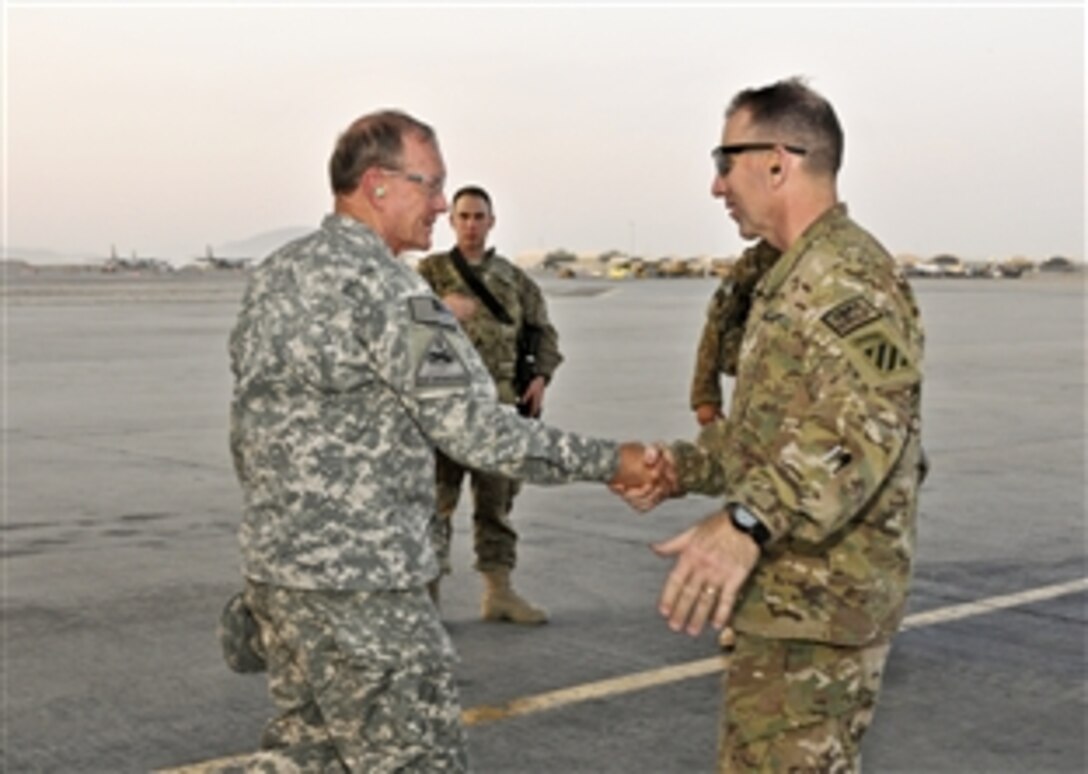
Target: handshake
{"type": "Point", "coordinates": [713, 559]}
{"type": "Point", "coordinates": [645, 476]}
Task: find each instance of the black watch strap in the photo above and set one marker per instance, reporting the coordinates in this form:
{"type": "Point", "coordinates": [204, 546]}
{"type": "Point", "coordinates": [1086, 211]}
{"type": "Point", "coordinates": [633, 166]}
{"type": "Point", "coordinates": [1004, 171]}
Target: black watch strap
{"type": "Point", "coordinates": [747, 522]}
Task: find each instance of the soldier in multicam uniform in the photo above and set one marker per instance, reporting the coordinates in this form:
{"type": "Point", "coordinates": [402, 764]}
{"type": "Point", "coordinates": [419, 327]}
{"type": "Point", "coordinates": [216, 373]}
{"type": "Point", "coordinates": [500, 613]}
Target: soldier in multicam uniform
{"type": "Point", "coordinates": [723, 331]}
{"type": "Point", "coordinates": [819, 458]}
{"type": "Point", "coordinates": [496, 341]}
{"type": "Point", "coordinates": [348, 373]}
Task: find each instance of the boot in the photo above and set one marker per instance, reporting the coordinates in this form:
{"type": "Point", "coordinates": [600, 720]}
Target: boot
{"type": "Point", "coordinates": [502, 603]}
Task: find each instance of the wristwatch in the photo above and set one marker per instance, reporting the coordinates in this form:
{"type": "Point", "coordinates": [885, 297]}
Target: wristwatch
{"type": "Point", "coordinates": [745, 521]}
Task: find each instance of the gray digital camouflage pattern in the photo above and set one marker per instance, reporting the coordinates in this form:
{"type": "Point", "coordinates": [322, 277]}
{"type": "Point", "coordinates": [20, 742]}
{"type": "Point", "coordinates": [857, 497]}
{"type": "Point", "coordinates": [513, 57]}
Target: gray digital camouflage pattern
{"type": "Point", "coordinates": [726, 315]}
{"type": "Point", "coordinates": [364, 681]}
{"type": "Point", "coordinates": [348, 373]}
{"type": "Point", "coordinates": [240, 637]}
{"type": "Point", "coordinates": [494, 536]}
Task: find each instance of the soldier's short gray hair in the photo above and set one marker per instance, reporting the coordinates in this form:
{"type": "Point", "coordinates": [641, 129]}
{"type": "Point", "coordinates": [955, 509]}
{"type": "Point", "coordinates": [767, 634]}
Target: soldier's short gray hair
{"type": "Point", "coordinates": [373, 140]}
{"type": "Point", "coordinates": [792, 113]}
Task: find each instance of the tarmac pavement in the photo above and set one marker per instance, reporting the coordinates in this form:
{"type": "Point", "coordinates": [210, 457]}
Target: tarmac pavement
{"type": "Point", "coordinates": [120, 508]}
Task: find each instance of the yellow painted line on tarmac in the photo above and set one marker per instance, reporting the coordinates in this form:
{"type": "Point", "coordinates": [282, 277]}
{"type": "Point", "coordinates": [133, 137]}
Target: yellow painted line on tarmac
{"type": "Point", "coordinates": [477, 716]}
{"type": "Point", "coordinates": [635, 682]}
{"type": "Point", "coordinates": [983, 606]}
{"type": "Point", "coordinates": [616, 686]}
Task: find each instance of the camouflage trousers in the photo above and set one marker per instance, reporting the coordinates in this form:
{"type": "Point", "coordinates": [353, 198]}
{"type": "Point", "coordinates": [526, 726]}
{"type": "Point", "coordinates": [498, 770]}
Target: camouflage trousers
{"type": "Point", "coordinates": [796, 706]}
{"type": "Point", "coordinates": [493, 496]}
{"type": "Point", "coordinates": [363, 682]}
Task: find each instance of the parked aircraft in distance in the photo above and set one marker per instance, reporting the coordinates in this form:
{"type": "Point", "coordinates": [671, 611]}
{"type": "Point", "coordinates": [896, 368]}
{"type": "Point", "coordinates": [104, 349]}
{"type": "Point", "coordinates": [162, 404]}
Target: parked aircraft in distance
{"type": "Point", "coordinates": [212, 261]}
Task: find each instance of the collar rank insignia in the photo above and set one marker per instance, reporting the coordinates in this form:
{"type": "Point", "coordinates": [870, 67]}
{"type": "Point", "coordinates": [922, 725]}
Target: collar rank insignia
{"type": "Point", "coordinates": [850, 315]}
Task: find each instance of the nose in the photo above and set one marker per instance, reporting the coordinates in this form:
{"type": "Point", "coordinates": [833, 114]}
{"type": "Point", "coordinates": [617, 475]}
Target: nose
{"type": "Point", "coordinates": [442, 203]}
{"type": "Point", "coordinates": [718, 186]}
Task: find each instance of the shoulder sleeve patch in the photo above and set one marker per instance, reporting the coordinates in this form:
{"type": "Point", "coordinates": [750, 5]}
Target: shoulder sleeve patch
{"type": "Point", "coordinates": [850, 315]}
{"type": "Point", "coordinates": [439, 365]}
{"type": "Point", "coordinates": [428, 310]}
{"type": "Point", "coordinates": [883, 354]}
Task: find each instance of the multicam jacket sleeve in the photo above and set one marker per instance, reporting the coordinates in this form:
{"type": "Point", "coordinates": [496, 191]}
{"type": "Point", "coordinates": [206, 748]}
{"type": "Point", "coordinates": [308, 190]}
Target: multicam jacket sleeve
{"type": "Point", "coordinates": [822, 441]}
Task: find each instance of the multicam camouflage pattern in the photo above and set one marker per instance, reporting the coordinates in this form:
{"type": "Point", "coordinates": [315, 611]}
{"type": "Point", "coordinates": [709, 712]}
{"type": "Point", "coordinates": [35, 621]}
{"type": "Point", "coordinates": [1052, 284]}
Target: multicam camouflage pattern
{"type": "Point", "coordinates": [348, 373]}
{"type": "Point", "coordinates": [363, 681]}
{"type": "Point", "coordinates": [492, 495]}
{"type": "Point", "coordinates": [822, 440]}
{"type": "Point", "coordinates": [520, 297]}
{"type": "Point", "coordinates": [494, 537]}
{"type": "Point", "coordinates": [797, 706]}
{"type": "Point", "coordinates": [726, 314]}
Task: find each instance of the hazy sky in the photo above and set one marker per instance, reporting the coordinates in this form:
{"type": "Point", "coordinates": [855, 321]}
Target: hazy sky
{"type": "Point", "coordinates": [163, 128]}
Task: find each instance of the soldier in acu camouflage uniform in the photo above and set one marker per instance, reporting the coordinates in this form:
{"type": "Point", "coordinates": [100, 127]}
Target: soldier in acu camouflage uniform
{"type": "Point", "coordinates": [496, 340]}
{"type": "Point", "coordinates": [818, 461]}
{"type": "Point", "coordinates": [348, 372]}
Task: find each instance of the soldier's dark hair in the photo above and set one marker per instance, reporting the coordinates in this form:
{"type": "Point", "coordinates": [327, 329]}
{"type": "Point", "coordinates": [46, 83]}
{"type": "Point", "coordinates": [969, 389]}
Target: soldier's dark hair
{"type": "Point", "coordinates": [793, 113]}
{"type": "Point", "coordinates": [472, 190]}
{"type": "Point", "coordinates": [374, 140]}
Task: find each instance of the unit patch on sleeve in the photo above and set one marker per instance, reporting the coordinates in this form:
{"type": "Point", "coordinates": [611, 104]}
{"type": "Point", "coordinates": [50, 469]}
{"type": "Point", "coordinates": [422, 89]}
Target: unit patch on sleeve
{"type": "Point", "coordinates": [850, 315]}
{"type": "Point", "coordinates": [428, 310]}
{"type": "Point", "coordinates": [439, 365]}
{"type": "Point", "coordinates": [884, 355]}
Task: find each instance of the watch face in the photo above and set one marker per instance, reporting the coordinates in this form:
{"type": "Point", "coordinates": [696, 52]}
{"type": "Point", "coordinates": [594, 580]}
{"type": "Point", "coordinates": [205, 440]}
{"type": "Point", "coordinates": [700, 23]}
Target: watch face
{"type": "Point", "coordinates": [743, 519]}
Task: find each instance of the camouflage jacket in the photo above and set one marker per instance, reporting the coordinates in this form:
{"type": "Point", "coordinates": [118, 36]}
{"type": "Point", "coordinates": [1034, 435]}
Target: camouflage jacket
{"type": "Point", "coordinates": [522, 299]}
{"type": "Point", "coordinates": [348, 372]}
{"type": "Point", "coordinates": [726, 314]}
{"type": "Point", "coordinates": [822, 440]}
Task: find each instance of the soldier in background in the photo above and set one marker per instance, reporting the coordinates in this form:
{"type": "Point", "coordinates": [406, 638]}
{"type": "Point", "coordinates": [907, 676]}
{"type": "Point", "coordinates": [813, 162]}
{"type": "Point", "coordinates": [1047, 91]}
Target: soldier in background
{"type": "Point", "coordinates": [518, 305]}
{"type": "Point", "coordinates": [719, 343]}
{"type": "Point", "coordinates": [819, 460]}
{"type": "Point", "coordinates": [348, 373]}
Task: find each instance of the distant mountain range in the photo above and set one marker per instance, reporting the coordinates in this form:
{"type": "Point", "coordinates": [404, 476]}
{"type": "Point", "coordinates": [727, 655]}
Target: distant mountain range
{"type": "Point", "coordinates": [260, 245]}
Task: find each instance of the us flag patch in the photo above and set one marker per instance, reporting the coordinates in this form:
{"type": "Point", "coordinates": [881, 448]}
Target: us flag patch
{"type": "Point", "coordinates": [850, 315]}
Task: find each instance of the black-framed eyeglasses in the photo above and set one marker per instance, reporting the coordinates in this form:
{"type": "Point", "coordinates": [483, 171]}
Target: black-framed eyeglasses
{"type": "Point", "coordinates": [433, 185]}
{"type": "Point", "coordinates": [723, 155]}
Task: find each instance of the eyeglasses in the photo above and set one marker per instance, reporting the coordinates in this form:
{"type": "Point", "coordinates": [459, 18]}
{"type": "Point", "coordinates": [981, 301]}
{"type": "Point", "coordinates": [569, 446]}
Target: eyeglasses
{"type": "Point", "coordinates": [723, 155]}
{"type": "Point", "coordinates": [433, 185]}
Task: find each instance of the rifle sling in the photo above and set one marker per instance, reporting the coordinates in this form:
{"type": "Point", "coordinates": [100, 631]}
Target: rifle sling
{"type": "Point", "coordinates": [479, 288]}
